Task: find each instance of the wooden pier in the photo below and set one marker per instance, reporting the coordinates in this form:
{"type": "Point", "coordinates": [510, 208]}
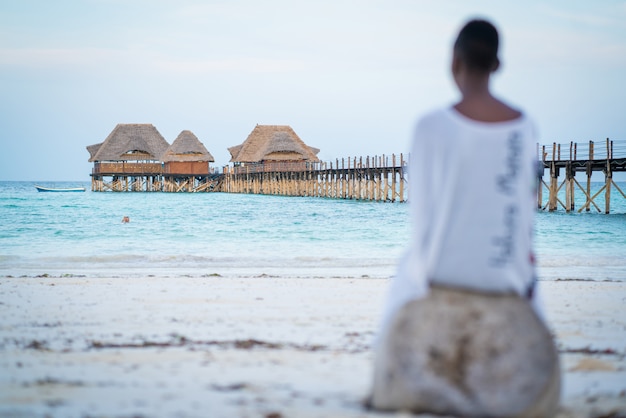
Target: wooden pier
{"type": "Point", "coordinates": [149, 177]}
{"type": "Point", "coordinates": [370, 178]}
{"type": "Point", "coordinates": [608, 157]}
{"type": "Point", "coordinates": [378, 178]}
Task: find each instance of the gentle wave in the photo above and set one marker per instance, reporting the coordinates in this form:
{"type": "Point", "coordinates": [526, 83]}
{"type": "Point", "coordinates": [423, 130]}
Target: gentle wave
{"type": "Point", "coordinates": [130, 265]}
{"type": "Point", "coordinates": [577, 261]}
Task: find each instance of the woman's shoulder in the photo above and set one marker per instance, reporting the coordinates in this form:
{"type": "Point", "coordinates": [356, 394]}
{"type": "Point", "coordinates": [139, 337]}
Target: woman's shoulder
{"type": "Point", "coordinates": [448, 121]}
{"type": "Point", "coordinates": [435, 114]}
{"type": "Point", "coordinates": [434, 118]}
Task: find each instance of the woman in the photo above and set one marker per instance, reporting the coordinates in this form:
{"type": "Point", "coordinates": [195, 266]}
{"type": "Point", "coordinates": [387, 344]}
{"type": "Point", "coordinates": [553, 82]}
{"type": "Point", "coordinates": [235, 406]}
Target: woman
{"type": "Point", "coordinates": [459, 336]}
{"type": "Point", "coordinates": [472, 183]}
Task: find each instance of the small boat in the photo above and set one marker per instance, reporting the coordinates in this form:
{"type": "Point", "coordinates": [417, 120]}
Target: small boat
{"type": "Point", "coordinates": [59, 189]}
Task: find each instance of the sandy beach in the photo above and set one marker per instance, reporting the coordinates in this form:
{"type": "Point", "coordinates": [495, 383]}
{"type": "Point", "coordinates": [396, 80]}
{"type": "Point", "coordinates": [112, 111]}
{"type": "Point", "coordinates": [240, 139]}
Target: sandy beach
{"type": "Point", "coordinates": [250, 346]}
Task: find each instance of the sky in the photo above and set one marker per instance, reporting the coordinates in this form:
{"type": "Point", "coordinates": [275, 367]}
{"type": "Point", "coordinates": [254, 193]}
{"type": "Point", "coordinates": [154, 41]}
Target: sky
{"type": "Point", "coordinates": [351, 77]}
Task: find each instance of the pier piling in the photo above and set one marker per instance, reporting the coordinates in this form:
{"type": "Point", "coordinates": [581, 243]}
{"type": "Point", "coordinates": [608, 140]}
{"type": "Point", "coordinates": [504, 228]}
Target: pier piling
{"type": "Point", "coordinates": [613, 160]}
{"type": "Point", "coordinates": [354, 178]}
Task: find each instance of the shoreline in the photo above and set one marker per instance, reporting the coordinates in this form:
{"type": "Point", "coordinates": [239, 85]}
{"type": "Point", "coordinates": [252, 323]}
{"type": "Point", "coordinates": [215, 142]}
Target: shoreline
{"type": "Point", "coordinates": [252, 273]}
{"type": "Point", "coordinates": [250, 346]}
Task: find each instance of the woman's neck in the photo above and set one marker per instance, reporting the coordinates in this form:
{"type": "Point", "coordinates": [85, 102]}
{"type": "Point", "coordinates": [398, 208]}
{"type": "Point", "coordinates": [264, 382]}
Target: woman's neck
{"type": "Point", "coordinates": [479, 104]}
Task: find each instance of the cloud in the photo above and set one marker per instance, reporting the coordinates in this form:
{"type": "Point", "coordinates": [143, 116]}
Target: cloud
{"type": "Point", "coordinates": [247, 65]}
{"type": "Point", "coordinates": [133, 61]}
{"type": "Point", "coordinates": [73, 59]}
{"type": "Point", "coordinates": [600, 15]}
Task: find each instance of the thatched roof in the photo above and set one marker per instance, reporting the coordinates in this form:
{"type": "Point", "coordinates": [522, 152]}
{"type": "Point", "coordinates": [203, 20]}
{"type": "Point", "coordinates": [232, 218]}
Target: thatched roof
{"type": "Point", "coordinates": [187, 147]}
{"type": "Point", "coordinates": [130, 141]}
{"type": "Point", "coordinates": [234, 151]}
{"type": "Point", "coordinates": [93, 150]}
{"type": "Point", "coordinates": [273, 143]}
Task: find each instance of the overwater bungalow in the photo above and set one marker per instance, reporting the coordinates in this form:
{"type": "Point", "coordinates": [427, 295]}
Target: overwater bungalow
{"type": "Point", "coordinates": [187, 164]}
{"type": "Point", "coordinates": [271, 148]}
{"type": "Point", "coordinates": [129, 159]}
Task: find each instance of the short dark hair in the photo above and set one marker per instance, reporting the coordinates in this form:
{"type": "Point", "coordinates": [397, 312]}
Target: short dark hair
{"type": "Point", "coordinates": [477, 45]}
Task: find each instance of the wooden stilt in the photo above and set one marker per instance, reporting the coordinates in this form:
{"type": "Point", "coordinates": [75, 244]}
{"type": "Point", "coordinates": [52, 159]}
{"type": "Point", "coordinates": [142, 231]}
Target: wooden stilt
{"type": "Point", "coordinates": [402, 180]}
{"type": "Point", "coordinates": [554, 174]}
{"type": "Point", "coordinates": [608, 179]}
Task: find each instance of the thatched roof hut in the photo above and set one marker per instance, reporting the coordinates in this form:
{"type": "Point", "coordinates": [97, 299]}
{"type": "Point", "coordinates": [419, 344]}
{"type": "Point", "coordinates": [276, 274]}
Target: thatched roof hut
{"type": "Point", "coordinates": [187, 147]}
{"type": "Point", "coordinates": [130, 142]}
{"type": "Point", "coordinates": [272, 143]}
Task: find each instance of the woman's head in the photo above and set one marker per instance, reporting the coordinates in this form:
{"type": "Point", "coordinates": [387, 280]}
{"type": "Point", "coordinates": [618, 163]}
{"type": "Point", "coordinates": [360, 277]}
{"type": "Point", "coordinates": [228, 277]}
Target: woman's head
{"type": "Point", "coordinates": [476, 47]}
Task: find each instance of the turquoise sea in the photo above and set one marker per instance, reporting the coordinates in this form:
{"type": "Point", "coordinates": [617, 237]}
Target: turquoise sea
{"type": "Point", "coordinates": [231, 235]}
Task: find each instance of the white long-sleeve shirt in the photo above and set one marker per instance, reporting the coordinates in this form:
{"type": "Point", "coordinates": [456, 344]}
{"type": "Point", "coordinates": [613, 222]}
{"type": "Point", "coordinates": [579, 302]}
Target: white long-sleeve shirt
{"type": "Point", "coordinates": [472, 203]}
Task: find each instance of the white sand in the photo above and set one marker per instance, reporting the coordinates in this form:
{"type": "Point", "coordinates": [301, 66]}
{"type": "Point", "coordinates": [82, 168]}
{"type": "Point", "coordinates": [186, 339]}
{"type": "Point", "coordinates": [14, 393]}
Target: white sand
{"type": "Point", "coordinates": [249, 347]}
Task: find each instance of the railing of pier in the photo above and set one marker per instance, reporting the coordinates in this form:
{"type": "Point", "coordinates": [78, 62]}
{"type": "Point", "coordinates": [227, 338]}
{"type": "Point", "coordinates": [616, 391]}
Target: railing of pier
{"type": "Point", "coordinates": [583, 151]}
{"type": "Point", "coordinates": [378, 161]}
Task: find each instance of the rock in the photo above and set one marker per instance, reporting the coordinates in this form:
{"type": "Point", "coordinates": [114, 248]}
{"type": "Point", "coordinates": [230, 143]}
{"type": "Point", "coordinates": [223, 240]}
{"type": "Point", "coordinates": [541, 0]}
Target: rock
{"type": "Point", "coordinates": [467, 354]}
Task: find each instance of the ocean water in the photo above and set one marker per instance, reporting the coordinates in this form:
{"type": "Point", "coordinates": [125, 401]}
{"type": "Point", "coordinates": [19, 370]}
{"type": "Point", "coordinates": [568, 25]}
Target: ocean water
{"type": "Point", "coordinates": [185, 234]}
